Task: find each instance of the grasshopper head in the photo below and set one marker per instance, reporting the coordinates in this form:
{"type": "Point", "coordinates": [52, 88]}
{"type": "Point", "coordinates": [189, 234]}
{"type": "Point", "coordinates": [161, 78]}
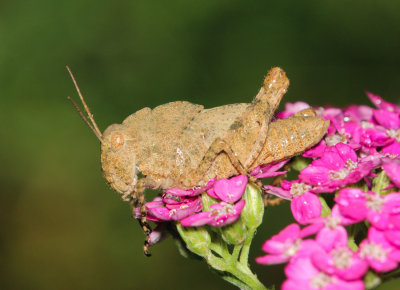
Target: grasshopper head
{"type": "Point", "coordinates": [118, 158]}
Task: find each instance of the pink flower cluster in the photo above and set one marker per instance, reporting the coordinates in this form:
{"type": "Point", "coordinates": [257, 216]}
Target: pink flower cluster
{"type": "Point", "coordinates": [187, 207]}
{"type": "Point", "coordinates": [361, 147]}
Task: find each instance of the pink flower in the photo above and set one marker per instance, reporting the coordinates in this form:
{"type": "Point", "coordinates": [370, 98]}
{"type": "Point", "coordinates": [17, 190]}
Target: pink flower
{"type": "Point", "coordinates": [341, 262]}
{"type": "Point", "coordinates": [226, 212]}
{"type": "Point", "coordinates": [190, 192]}
{"type": "Point", "coordinates": [378, 252]}
{"type": "Point", "coordinates": [338, 166]}
{"type": "Point", "coordinates": [285, 245]}
{"type": "Point", "coordinates": [392, 167]}
{"type": "Point", "coordinates": [158, 234]}
{"type": "Point", "coordinates": [332, 223]}
{"type": "Point", "coordinates": [335, 258]}
{"type": "Point", "coordinates": [221, 214]}
{"type": "Point", "coordinates": [159, 211]}
{"type": "Point", "coordinates": [357, 113]}
{"type": "Point", "coordinates": [381, 103]}
{"type": "Point", "coordinates": [303, 275]}
{"type": "Point", "coordinates": [359, 205]}
{"type": "Point", "coordinates": [305, 205]}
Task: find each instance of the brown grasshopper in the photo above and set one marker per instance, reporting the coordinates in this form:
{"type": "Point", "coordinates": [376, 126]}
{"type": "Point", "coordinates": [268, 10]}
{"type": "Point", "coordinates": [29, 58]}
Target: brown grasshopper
{"type": "Point", "coordinates": [183, 145]}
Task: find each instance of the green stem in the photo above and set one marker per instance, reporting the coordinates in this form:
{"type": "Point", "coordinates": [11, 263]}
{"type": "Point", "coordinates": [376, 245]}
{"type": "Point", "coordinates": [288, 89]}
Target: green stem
{"type": "Point", "coordinates": [236, 282]}
{"type": "Point", "coordinates": [248, 278]}
{"type": "Point", "coordinates": [241, 273]}
{"type": "Point", "coordinates": [235, 253]}
{"type": "Point", "coordinates": [326, 210]}
{"type": "Point", "coordinates": [352, 231]}
{"type": "Point", "coordinates": [244, 256]}
{"type": "Point", "coordinates": [220, 248]}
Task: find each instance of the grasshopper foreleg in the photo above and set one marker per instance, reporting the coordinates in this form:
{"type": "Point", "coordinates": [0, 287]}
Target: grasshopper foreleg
{"type": "Point", "coordinates": [137, 199]}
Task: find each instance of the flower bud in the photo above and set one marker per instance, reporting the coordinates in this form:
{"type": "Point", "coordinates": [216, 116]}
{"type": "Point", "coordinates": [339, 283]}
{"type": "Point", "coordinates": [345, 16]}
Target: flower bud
{"type": "Point", "coordinates": [234, 234]}
{"type": "Point", "coordinates": [197, 239]}
{"type": "Point", "coordinates": [253, 212]}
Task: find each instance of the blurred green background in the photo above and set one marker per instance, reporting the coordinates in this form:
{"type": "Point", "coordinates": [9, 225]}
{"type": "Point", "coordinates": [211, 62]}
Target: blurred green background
{"type": "Point", "coordinates": [61, 226]}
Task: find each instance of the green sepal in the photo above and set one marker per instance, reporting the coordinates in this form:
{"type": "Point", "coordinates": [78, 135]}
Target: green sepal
{"type": "Point", "coordinates": [235, 233]}
{"type": "Point", "coordinates": [253, 211]}
{"type": "Point", "coordinates": [197, 239]}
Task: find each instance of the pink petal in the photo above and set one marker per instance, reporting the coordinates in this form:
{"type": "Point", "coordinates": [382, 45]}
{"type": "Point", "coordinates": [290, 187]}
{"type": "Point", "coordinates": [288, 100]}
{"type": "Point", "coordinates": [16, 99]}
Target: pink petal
{"type": "Point", "coordinates": [315, 151]}
{"type": "Point", "coordinates": [393, 236]}
{"type": "Point", "coordinates": [315, 175]}
{"type": "Point", "coordinates": [227, 218]}
{"type": "Point", "coordinates": [178, 212]}
{"type": "Point", "coordinates": [269, 170]}
{"type": "Point", "coordinates": [197, 220]}
{"type": "Point", "coordinates": [307, 248]}
{"type": "Point", "coordinates": [394, 221]}
{"type": "Point", "coordinates": [346, 285]}
{"type": "Point", "coordinates": [331, 160]}
{"type": "Point", "coordinates": [356, 270]}
{"type": "Point", "coordinates": [352, 203]}
{"type": "Point", "coordinates": [393, 148]}
{"type": "Point", "coordinates": [381, 103]}
{"type": "Point", "coordinates": [295, 285]}
{"type": "Point", "coordinates": [278, 243]}
{"type": "Point", "coordinates": [305, 208]}
{"type": "Point", "coordinates": [190, 192]}
{"type": "Point", "coordinates": [392, 171]}
{"type": "Point", "coordinates": [301, 269]}
{"type": "Point", "coordinates": [346, 152]}
{"type": "Point", "coordinates": [323, 261]}
{"type": "Point", "coordinates": [211, 193]}
{"type": "Point", "coordinates": [332, 238]}
{"type": "Point", "coordinates": [380, 220]}
{"type": "Point", "coordinates": [158, 234]}
{"type": "Point", "coordinates": [272, 259]}
{"type": "Point", "coordinates": [277, 191]}
{"type": "Point", "coordinates": [387, 119]}
{"type": "Point", "coordinates": [161, 213]}
{"type": "Point", "coordinates": [392, 203]}
{"type": "Point", "coordinates": [335, 213]}
{"type": "Point", "coordinates": [230, 190]}
{"type": "Point", "coordinates": [312, 229]}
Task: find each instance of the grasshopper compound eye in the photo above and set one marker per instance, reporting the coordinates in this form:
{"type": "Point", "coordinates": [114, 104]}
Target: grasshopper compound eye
{"type": "Point", "coordinates": [117, 141]}
{"type": "Point", "coordinates": [118, 158]}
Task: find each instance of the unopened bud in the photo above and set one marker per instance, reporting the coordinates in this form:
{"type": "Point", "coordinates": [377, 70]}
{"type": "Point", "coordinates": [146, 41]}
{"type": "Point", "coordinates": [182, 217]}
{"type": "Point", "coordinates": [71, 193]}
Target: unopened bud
{"type": "Point", "coordinates": [234, 234]}
{"type": "Point", "coordinates": [197, 239]}
{"type": "Point", "coordinates": [253, 212]}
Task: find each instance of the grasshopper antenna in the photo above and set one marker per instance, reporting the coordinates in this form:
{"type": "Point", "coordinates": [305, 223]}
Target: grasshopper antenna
{"type": "Point", "coordinates": [92, 124]}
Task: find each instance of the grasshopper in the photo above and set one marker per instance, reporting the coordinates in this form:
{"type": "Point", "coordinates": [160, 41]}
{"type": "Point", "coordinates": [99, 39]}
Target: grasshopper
{"type": "Point", "coordinates": [183, 145]}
